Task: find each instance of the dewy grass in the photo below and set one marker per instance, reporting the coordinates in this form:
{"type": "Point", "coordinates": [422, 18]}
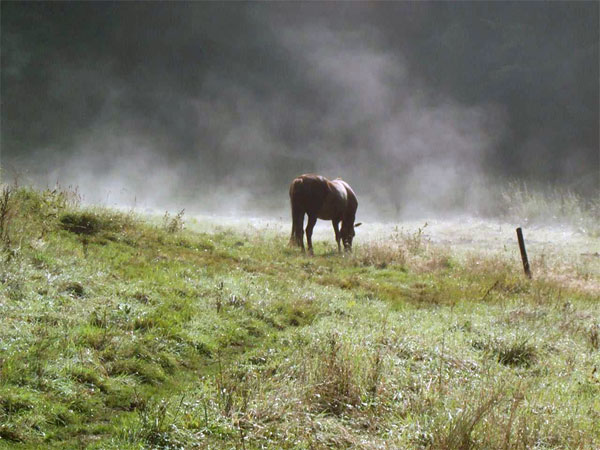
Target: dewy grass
{"type": "Point", "coordinates": [140, 336]}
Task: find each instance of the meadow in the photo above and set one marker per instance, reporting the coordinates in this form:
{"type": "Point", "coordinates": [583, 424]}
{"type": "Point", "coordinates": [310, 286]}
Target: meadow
{"type": "Point", "coordinates": [120, 331]}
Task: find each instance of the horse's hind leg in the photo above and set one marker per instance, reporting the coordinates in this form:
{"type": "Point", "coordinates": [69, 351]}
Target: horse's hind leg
{"type": "Point", "coordinates": [297, 229]}
{"type": "Point", "coordinates": [336, 228]}
{"type": "Point", "coordinates": [309, 230]}
{"type": "Point", "coordinates": [297, 236]}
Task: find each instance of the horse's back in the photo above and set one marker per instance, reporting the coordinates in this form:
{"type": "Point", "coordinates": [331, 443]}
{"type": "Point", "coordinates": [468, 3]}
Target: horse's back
{"type": "Point", "coordinates": [308, 192]}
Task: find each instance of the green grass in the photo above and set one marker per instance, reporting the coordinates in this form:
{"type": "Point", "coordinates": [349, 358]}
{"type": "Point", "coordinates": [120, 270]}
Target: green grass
{"type": "Point", "coordinates": [120, 334]}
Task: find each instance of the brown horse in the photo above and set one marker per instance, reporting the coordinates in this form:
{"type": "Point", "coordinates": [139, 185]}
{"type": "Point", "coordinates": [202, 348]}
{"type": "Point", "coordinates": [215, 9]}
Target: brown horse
{"type": "Point", "coordinates": [320, 198]}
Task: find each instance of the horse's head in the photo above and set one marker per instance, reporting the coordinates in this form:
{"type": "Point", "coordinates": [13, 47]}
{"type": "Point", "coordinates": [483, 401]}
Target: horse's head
{"type": "Point", "coordinates": [347, 233]}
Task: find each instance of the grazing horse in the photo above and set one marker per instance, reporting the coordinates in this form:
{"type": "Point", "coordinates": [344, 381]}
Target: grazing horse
{"type": "Point", "coordinates": [320, 198]}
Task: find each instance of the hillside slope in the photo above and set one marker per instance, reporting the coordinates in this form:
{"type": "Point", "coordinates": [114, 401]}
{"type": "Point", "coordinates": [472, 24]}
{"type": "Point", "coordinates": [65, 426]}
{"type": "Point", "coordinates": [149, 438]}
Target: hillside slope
{"type": "Point", "coordinates": [119, 332]}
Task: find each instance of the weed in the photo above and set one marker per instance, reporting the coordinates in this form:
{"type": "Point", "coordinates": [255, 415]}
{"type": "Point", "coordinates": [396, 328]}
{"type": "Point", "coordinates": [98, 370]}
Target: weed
{"type": "Point", "coordinates": [519, 397]}
{"type": "Point", "coordinates": [156, 426]}
{"type": "Point", "coordinates": [458, 433]}
{"type": "Point", "coordinates": [594, 337]}
{"type": "Point", "coordinates": [415, 242]}
{"type": "Point", "coordinates": [175, 223]}
{"type": "Point", "coordinates": [219, 301]}
{"type": "Point", "coordinates": [6, 214]}
{"type": "Point", "coordinates": [375, 372]}
{"type": "Point", "coordinates": [335, 389]}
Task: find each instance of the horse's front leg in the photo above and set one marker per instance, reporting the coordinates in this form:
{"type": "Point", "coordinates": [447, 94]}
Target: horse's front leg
{"type": "Point", "coordinates": [336, 228]}
{"type": "Point", "coordinates": [309, 230]}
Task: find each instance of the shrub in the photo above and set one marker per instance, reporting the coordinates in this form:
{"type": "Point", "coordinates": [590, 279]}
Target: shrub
{"type": "Point", "coordinates": [90, 222]}
{"type": "Point", "coordinates": [80, 223]}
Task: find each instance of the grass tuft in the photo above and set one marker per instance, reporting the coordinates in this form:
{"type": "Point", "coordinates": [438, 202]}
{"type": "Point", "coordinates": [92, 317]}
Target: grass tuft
{"type": "Point", "coordinates": [516, 352]}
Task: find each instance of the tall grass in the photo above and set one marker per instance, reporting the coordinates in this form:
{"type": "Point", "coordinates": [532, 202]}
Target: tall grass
{"type": "Point", "coordinates": [550, 206]}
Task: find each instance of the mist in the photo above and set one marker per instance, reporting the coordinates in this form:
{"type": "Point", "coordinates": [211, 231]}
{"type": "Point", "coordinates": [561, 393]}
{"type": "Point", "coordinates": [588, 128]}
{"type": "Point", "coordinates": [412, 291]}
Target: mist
{"type": "Point", "coordinates": [424, 108]}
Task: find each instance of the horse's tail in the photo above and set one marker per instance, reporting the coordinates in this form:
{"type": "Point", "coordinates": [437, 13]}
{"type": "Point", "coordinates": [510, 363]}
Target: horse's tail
{"type": "Point", "coordinates": [292, 237]}
{"type": "Point", "coordinates": [297, 237]}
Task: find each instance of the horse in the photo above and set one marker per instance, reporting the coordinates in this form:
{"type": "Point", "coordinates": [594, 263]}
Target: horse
{"type": "Point", "coordinates": [323, 199]}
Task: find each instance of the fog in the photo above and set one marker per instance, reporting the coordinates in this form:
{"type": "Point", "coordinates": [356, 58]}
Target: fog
{"type": "Point", "coordinates": [425, 109]}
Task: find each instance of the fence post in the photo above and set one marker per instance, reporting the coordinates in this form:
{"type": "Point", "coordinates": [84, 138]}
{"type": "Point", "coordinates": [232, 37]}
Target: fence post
{"type": "Point", "coordinates": [523, 253]}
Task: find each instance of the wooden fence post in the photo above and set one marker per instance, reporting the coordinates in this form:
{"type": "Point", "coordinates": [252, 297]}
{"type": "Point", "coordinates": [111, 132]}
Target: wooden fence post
{"type": "Point", "coordinates": [523, 253]}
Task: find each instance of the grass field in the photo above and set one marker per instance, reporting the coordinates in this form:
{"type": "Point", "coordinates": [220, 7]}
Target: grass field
{"type": "Point", "coordinates": [122, 332]}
